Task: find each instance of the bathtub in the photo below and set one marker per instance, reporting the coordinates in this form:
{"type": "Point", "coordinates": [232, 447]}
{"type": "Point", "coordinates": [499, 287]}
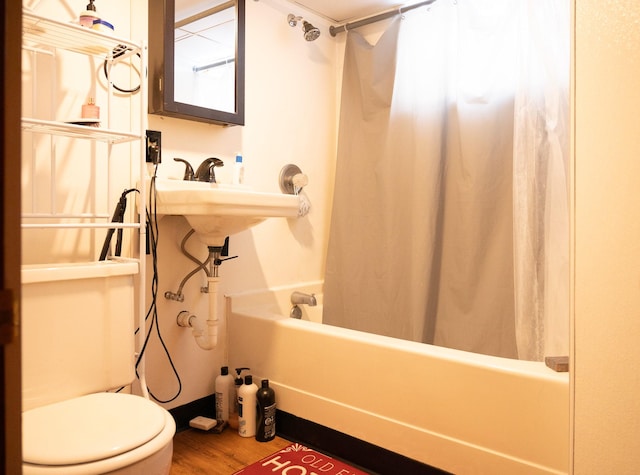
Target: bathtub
{"type": "Point", "coordinates": [458, 411]}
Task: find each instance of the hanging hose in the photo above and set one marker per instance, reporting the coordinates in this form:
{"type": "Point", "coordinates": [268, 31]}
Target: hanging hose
{"type": "Point", "coordinates": [178, 296]}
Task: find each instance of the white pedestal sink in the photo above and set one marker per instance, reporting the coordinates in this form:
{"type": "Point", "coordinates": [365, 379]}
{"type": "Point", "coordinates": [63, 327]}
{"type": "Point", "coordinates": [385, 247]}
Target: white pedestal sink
{"type": "Point", "coordinates": [216, 211]}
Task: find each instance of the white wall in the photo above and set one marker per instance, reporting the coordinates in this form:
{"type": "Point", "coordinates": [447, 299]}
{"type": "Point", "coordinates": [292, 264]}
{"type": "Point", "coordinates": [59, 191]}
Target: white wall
{"type": "Point", "coordinates": [607, 238]}
{"type": "Point", "coordinates": [290, 118]}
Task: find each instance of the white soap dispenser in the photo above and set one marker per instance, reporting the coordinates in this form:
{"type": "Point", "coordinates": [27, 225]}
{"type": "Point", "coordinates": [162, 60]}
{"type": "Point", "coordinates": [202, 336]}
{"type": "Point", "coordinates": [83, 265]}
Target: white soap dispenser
{"type": "Point", "coordinates": [88, 16]}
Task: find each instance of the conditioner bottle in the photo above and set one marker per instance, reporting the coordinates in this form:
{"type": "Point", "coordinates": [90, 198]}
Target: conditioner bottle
{"type": "Point", "coordinates": [225, 391]}
{"type": "Point", "coordinates": [247, 408]}
{"type": "Point", "coordinates": [266, 423]}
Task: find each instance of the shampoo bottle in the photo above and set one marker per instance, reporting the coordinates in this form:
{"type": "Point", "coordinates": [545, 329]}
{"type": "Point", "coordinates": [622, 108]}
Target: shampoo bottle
{"type": "Point", "coordinates": [266, 423]}
{"type": "Point", "coordinates": [225, 391]}
{"type": "Point", "coordinates": [247, 408]}
{"type": "Point", "coordinates": [233, 409]}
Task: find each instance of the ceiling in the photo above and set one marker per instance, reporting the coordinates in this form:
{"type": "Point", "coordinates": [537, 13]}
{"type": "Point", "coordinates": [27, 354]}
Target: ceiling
{"type": "Point", "coordinates": [335, 11]}
{"type": "Point", "coordinates": [341, 11]}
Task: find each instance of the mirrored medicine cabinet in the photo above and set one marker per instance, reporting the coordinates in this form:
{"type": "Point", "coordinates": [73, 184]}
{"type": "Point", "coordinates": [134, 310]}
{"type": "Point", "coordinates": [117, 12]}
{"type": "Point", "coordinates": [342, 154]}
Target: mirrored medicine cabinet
{"type": "Point", "coordinates": [196, 60]}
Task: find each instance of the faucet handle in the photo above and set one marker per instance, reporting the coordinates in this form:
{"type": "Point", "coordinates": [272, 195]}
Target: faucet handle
{"type": "Point", "coordinates": [188, 171]}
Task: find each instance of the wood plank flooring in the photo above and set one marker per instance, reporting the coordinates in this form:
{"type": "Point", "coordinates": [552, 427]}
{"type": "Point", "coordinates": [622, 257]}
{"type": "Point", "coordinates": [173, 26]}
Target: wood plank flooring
{"type": "Point", "coordinates": [196, 452]}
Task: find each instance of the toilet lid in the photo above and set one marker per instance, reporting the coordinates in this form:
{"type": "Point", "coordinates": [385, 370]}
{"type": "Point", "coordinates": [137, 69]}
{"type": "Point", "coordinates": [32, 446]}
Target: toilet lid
{"type": "Point", "coordinates": [89, 428]}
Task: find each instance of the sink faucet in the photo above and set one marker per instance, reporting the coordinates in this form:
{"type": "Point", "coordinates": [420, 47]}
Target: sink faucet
{"type": "Point", "coordinates": [299, 298]}
{"type": "Point", "coordinates": [205, 171]}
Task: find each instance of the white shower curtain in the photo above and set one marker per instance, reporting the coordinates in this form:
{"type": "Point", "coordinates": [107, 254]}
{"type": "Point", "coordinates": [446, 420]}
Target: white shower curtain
{"type": "Point", "coordinates": [452, 124]}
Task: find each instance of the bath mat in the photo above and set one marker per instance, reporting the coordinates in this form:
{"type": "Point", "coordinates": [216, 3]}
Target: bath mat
{"type": "Point", "coordinates": [296, 459]}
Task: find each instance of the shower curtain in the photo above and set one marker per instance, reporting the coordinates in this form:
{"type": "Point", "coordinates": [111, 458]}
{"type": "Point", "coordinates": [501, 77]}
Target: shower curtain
{"type": "Point", "coordinates": [450, 214]}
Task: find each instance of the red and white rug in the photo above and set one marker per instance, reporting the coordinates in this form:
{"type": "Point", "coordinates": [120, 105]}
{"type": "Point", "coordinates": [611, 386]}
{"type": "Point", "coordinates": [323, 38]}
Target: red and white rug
{"type": "Point", "coordinates": [296, 459]}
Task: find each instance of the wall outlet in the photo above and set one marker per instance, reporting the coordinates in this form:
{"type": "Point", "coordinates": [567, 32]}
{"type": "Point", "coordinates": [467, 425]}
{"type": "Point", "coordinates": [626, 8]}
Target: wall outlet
{"type": "Point", "coordinates": [154, 147]}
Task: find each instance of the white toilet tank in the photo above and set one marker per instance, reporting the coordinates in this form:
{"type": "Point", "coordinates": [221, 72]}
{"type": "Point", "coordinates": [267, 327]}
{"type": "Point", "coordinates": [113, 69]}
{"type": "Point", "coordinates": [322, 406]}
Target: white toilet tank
{"type": "Point", "coordinates": [77, 330]}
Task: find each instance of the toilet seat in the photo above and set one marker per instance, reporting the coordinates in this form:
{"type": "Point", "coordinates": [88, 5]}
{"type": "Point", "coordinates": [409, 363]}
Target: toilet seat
{"type": "Point", "coordinates": [89, 428]}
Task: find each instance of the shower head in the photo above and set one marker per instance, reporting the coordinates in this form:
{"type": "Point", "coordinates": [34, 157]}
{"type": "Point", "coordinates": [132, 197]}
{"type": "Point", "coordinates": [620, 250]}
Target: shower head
{"type": "Point", "coordinates": [310, 32]}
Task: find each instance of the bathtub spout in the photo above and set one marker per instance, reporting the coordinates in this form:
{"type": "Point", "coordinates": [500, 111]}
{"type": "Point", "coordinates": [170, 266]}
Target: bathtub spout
{"type": "Point", "coordinates": [299, 298]}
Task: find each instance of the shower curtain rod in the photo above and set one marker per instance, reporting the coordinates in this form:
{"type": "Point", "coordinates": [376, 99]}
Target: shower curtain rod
{"type": "Point", "coordinates": [334, 30]}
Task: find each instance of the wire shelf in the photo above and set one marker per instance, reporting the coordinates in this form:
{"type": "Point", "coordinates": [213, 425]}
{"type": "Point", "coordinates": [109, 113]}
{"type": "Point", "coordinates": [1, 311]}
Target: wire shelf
{"type": "Point", "coordinates": [42, 35]}
{"type": "Point", "coordinates": [38, 30]}
{"type": "Point", "coordinates": [77, 131]}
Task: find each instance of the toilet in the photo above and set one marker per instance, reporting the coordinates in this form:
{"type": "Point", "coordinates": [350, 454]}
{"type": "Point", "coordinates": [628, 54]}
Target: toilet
{"type": "Point", "coordinates": [78, 357]}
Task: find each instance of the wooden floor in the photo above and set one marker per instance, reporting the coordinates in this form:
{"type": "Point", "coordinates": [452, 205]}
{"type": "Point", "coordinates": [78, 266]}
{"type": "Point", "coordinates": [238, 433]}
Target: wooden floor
{"type": "Point", "coordinates": [197, 452]}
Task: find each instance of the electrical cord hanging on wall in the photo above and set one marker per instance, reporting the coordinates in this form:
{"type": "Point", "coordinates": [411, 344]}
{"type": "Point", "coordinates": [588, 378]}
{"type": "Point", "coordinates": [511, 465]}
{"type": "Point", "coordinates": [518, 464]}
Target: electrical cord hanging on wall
{"type": "Point", "coordinates": [152, 313]}
{"type": "Point", "coordinates": [117, 52]}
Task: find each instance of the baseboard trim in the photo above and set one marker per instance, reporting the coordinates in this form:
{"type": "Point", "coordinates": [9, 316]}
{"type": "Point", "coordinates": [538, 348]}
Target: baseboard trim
{"type": "Point", "coordinates": [368, 457]}
{"type": "Point", "coordinates": [205, 406]}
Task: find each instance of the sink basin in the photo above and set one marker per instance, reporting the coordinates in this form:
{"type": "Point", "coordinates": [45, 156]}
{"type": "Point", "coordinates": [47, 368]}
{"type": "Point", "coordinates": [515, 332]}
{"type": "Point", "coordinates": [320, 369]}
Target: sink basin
{"type": "Point", "coordinates": [216, 211]}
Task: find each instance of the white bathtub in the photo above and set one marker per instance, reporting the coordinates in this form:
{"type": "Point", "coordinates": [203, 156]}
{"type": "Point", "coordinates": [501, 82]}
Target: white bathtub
{"type": "Point", "coordinates": [458, 411]}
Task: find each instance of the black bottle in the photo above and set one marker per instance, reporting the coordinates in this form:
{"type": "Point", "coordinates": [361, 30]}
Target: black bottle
{"type": "Point", "coordinates": [266, 414]}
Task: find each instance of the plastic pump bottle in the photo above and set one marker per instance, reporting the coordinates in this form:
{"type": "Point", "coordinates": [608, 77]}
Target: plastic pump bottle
{"type": "Point", "coordinates": [88, 16]}
{"type": "Point", "coordinates": [225, 392]}
{"type": "Point", "coordinates": [234, 407]}
{"type": "Point", "coordinates": [238, 170]}
{"type": "Point", "coordinates": [247, 408]}
{"type": "Point", "coordinates": [266, 424]}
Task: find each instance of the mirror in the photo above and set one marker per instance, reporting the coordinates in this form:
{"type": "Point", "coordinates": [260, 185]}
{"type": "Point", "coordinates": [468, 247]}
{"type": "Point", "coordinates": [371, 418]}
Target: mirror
{"type": "Point", "coordinates": [196, 60]}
